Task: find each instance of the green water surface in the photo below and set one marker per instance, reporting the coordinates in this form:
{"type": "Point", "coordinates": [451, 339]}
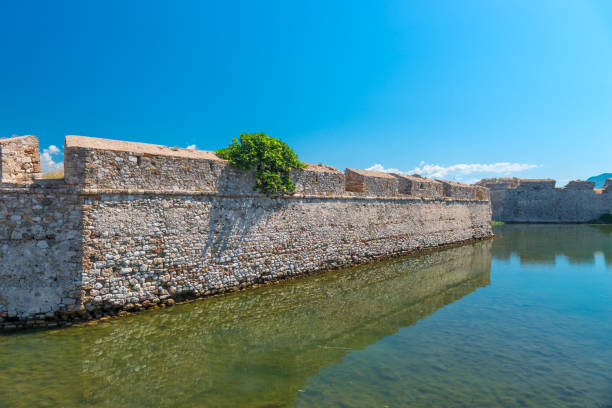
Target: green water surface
{"type": "Point", "coordinates": [523, 320]}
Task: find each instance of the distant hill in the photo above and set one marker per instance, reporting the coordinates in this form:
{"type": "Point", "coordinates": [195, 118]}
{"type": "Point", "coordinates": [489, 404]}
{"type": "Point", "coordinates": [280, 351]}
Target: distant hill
{"type": "Point", "coordinates": [58, 174]}
{"type": "Point", "coordinates": [600, 180]}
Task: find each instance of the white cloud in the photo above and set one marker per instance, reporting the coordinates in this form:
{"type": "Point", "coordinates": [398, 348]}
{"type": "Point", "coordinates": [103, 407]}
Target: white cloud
{"type": "Point", "coordinates": [192, 147]}
{"type": "Point", "coordinates": [53, 149]}
{"type": "Point", "coordinates": [458, 171]}
{"type": "Point", "coordinates": [380, 167]}
{"type": "Point", "coordinates": [49, 160]}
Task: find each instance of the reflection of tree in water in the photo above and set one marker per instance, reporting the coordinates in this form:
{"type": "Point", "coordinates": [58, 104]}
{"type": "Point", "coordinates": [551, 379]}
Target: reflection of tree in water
{"type": "Point", "coordinates": [539, 243]}
{"type": "Point", "coordinates": [257, 347]}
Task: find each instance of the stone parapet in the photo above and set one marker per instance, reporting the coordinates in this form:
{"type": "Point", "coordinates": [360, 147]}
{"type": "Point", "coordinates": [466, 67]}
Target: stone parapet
{"type": "Point", "coordinates": [536, 184]}
{"type": "Point", "coordinates": [318, 179]}
{"type": "Point", "coordinates": [580, 185]}
{"type": "Point", "coordinates": [460, 190]}
{"type": "Point", "coordinates": [19, 159]}
{"type": "Point", "coordinates": [371, 182]}
{"type": "Point", "coordinates": [102, 163]}
{"type": "Point", "coordinates": [499, 183]}
{"type": "Point", "coordinates": [110, 164]}
{"type": "Point", "coordinates": [92, 163]}
{"type": "Point", "coordinates": [418, 186]}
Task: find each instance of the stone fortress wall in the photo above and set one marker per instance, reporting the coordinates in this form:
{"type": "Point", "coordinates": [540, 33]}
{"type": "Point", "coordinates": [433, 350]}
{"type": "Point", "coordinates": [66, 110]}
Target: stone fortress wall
{"type": "Point", "coordinates": [538, 201]}
{"type": "Point", "coordinates": [134, 225]}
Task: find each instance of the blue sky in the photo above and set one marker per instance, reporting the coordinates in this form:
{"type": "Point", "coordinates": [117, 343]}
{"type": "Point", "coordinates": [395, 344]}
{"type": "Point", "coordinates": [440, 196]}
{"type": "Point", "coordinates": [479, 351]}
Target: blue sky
{"type": "Point", "coordinates": [448, 88]}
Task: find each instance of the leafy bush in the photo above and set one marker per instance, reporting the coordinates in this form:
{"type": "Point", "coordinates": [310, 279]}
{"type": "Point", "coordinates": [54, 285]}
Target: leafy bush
{"type": "Point", "coordinates": [271, 158]}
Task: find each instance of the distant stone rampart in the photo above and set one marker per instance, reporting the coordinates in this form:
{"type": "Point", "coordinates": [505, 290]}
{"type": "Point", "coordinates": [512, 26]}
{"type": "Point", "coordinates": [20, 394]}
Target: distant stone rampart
{"type": "Point", "coordinates": [538, 201]}
{"type": "Point", "coordinates": [134, 225]}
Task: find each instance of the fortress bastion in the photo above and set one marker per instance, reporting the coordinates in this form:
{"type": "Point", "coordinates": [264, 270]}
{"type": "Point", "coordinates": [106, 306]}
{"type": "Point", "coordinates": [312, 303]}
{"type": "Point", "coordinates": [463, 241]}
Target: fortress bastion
{"type": "Point", "coordinates": [135, 225]}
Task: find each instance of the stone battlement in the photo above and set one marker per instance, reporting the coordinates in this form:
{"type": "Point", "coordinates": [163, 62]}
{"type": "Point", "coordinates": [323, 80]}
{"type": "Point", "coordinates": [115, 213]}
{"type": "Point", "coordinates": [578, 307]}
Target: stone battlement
{"type": "Point", "coordinates": [526, 200]}
{"type": "Point", "coordinates": [539, 184]}
{"type": "Point", "coordinates": [105, 165]}
{"type": "Point", "coordinates": [135, 225]}
{"type": "Point", "coordinates": [19, 159]}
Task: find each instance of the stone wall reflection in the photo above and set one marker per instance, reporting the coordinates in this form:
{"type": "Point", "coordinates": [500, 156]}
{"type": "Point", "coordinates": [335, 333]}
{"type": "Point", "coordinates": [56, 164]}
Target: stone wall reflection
{"type": "Point", "coordinates": [541, 244]}
{"type": "Point", "coordinates": [254, 347]}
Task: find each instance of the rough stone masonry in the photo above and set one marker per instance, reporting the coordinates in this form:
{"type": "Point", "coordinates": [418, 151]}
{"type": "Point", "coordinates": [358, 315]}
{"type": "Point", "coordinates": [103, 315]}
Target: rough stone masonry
{"type": "Point", "coordinates": [134, 225]}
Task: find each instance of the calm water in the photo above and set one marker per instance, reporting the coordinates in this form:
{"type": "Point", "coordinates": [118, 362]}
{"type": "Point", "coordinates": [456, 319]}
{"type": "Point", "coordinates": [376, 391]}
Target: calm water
{"type": "Point", "coordinates": [524, 320]}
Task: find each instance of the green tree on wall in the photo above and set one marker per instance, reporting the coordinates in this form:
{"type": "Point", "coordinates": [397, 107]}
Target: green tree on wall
{"type": "Point", "coordinates": [271, 158]}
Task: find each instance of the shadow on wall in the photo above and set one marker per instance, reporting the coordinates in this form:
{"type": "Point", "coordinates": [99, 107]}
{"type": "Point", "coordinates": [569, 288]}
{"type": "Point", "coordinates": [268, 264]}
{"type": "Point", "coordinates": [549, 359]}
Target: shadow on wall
{"type": "Point", "coordinates": [230, 221]}
{"type": "Point", "coordinates": [541, 244]}
{"type": "Point", "coordinates": [278, 336]}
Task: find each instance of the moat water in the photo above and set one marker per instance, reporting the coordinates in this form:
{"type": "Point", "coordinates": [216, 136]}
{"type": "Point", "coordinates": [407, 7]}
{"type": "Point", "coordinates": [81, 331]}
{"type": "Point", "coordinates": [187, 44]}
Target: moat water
{"type": "Point", "coordinates": [522, 320]}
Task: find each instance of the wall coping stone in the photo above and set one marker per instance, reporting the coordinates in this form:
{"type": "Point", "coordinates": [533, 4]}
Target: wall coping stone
{"type": "Point", "coordinates": [369, 173]}
{"type": "Point", "coordinates": [87, 142]}
{"type": "Point", "coordinates": [415, 178]}
{"type": "Point", "coordinates": [137, 148]}
{"type": "Point", "coordinates": [8, 140]}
